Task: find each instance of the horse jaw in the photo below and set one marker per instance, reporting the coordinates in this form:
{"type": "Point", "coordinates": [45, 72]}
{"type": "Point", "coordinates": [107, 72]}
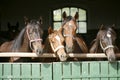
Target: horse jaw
{"type": "Point", "coordinates": [62, 55]}
{"type": "Point", "coordinates": [110, 55]}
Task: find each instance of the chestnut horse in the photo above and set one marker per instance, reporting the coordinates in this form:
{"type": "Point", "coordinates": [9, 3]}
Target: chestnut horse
{"type": "Point", "coordinates": [105, 42]}
{"type": "Point", "coordinates": [28, 40]}
{"type": "Point", "coordinates": [73, 43]}
{"type": "Point", "coordinates": [55, 44]}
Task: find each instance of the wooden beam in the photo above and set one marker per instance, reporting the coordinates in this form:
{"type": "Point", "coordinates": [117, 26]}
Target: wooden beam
{"type": "Point", "coordinates": [51, 55]}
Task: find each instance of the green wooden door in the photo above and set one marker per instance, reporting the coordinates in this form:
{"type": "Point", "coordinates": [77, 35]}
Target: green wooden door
{"type": "Point", "coordinates": [25, 71]}
{"type": "Point", "coordinates": [84, 70]}
{"type": "Point", "coordinates": [93, 70]}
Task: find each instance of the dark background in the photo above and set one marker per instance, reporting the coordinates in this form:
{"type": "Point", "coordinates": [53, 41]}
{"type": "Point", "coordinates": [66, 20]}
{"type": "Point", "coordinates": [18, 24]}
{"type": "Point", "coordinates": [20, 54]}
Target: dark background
{"type": "Point", "coordinates": [98, 12]}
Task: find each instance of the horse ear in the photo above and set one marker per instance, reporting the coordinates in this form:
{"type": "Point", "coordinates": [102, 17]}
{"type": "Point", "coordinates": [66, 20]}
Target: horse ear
{"type": "Point", "coordinates": [26, 20]}
{"type": "Point", "coordinates": [40, 20]}
{"type": "Point", "coordinates": [102, 27]}
{"type": "Point", "coordinates": [50, 30]}
{"type": "Point", "coordinates": [64, 15]}
{"type": "Point", "coordinates": [76, 16]}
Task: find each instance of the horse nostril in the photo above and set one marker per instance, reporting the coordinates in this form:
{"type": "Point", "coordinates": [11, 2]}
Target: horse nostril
{"type": "Point", "coordinates": [38, 51]}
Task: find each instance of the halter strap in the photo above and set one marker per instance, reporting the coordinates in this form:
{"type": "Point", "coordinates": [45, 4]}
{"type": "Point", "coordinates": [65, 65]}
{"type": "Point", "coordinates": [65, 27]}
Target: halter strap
{"type": "Point", "coordinates": [56, 49]}
{"type": "Point", "coordinates": [39, 39]}
{"type": "Point", "coordinates": [109, 46]}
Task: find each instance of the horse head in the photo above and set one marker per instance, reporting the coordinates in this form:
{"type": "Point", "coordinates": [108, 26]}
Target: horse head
{"type": "Point", "coordinates": [56, 42]}
{"type": "Point", "coordinates": [34, 34]}
{"type": "Point", "coordinates": [69, 27]}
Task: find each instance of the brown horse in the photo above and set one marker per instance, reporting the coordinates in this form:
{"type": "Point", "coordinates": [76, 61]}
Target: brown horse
{"type": "Point", "coordinates": [13, 31]}
{"type": "Point", "coordinates": [105, 42]}
{"type": "Point", "coordinates": [55, 44]}
{"type": "Point", "coordinates": [73, 42]}
{"type": "Point", "coordinates": [29, 39]}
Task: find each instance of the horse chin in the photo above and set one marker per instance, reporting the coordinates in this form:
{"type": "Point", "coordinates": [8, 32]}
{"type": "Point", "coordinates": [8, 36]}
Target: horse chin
{"type": "Point", "coordinates": [111, 55]}
{"type": "Point", "coordinates": [62, 55]}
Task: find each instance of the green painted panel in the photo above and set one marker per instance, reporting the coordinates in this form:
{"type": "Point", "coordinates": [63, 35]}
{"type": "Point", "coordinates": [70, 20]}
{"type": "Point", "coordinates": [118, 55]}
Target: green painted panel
{"type": "Point", "coordinates": [94, 69]}
{"type": "Point", "coordinates": [36, 71]}
{"type": "Point", "coordinates": [46, 71]}
{"type": "Point", "coordinates": [7, 71]}
{"type": "Point", "coordinates": [113, 70]}
{"type": "Point", "coordinates": [16, 70]}
{"type": "Point", "coordinates": [104, 69]}
{"type": "Point", "coordinates": [76, 69]}
{"type": "Point", "coordinates": [66, 70]}
{"type": "Point", "coordinates": [85, 70]}
{"type": "Point", "coordinates": [1, 71]}
{"type": "Point", "coordinates": [26, 71]}
{"type": "Point", "coordinates": [57, 71]}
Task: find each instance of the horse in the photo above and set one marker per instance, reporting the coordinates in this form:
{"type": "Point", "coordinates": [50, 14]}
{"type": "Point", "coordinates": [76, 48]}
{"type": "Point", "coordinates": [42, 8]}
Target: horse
{"type": "Point", "coordinates": [73, 42]}
{"type": "Point", "coordinates": [13, 31]}
{"type": "Point", "coordinates": [28, 40]}
{"type": "Point", "coordinates": [105, 42]}
{"type": "Point", "coordinates": [54, 43]}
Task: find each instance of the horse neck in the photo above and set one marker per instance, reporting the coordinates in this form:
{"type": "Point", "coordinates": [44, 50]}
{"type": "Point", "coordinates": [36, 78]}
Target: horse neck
{"type": "Point", "coordinates": [47, 48]}
{"type": "Point", "coordinates": [82, 45]}
{"type": "Point", "coordinates": [25, 44]}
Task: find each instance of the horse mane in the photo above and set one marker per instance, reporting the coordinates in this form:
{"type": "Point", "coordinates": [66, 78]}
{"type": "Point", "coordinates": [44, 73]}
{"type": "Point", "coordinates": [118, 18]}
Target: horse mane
{"type": "Point", "coordinates": [18, 41]}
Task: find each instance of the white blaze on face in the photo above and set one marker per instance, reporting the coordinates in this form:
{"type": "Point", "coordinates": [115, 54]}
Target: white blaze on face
{"type": "Point", "coordinates": [108, 35]}
{"type": "Point", "coordinates": [58, 38]}
{"type": "Point", "coordinates": [70, 24]}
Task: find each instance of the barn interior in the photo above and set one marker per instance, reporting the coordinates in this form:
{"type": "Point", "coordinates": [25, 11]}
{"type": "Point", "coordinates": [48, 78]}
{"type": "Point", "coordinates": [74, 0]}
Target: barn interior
{"type": "Point", "coordinates": [99, 12]}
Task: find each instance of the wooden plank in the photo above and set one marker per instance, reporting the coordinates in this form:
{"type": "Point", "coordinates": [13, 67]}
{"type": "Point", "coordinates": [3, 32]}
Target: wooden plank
{"type": "Point", "coordinates": [85, 70]}
{"type": "Point", "coordinates": [26, 71]}
{"type": "Point", "coordinates": [22, 54]}
{"type": "Point", "coordinates": [57, 70]}
{"type": "Point", "coordinates": [76, 70]}
{"type": "Point", "coordinates": [113, 68]}
{"type": "Point", "coordinates": [1, 71]}
{"type": "Point", "coordinates": [94, 69]}
{"type": "Point", "coordinates": [46, 71]}
{"type": "Point", "coordinates": [7, 74]}
{"type": "Point", "coordinates": [16, 71]}
{"type": "Point", "coordinates": [66, 70]}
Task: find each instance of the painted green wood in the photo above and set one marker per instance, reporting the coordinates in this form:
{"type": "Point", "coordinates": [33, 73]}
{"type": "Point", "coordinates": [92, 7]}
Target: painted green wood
{"type": "Point", "coordinates": [104, 70]}
{"type": "Point", "coordinates": [16, 68]}
{"type": "Point", "coordinates": [36, 71]}
{"type": "Point", "coordinates": [81, 70]}
{"type": "Point", "coordinates": [1, 71]}
{"type": "Point", "coordinates": [89, 70]}
{"type": "Point", "coordinates": [46, 71]}
{"type": "Point", "coordinates": [25, 71]}
{"type": "Point", "coordinates": [57, 71]}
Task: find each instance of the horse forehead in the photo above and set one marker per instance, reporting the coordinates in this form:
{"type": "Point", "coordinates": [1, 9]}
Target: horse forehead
{"type": "Point", "coordinates": [57, 37]}
{"type": "Point", "coordinates": [108, 34]}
